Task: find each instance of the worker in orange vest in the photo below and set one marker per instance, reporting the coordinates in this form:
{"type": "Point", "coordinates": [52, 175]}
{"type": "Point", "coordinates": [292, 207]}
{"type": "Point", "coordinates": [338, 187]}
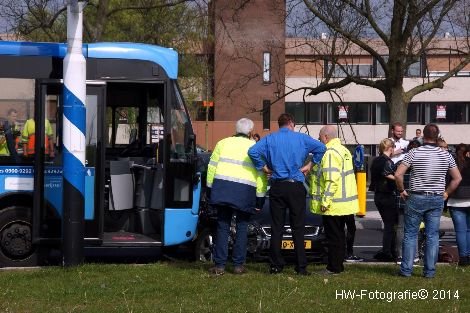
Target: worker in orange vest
{"type": "Point", "coordinates": [28, 138]}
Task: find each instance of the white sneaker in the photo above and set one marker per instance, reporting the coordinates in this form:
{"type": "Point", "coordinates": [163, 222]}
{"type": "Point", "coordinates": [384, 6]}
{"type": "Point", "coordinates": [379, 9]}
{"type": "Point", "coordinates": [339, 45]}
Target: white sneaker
{"type": "Point", "coordinates": [353, 259]}
{"type": "Point", "coordinates": [415, 261]}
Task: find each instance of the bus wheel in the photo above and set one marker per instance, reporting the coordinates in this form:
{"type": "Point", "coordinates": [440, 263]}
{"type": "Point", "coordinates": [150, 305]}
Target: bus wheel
{"type": "Point", "coordinates": [204, 245]}
{"type": "Point", "coordinates": [16, 248]}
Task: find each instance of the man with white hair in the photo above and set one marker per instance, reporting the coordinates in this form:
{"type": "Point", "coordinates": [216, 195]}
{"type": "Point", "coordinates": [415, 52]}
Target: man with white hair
{"type": "Point", "coordinates": [234, 187]}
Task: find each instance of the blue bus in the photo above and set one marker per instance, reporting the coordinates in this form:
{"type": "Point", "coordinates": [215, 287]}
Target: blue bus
{"type": "Point", "coordinates": [141, 185]}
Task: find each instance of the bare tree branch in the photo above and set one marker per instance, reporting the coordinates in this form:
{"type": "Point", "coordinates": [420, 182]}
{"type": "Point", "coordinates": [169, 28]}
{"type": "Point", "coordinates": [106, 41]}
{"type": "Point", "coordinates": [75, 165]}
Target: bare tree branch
{"type": "Point", "coordinates": [437, 83]}
{"type": "Point", "coordinates": [341, 31]}
{"type": "Point", "coordinates": [146, 7]}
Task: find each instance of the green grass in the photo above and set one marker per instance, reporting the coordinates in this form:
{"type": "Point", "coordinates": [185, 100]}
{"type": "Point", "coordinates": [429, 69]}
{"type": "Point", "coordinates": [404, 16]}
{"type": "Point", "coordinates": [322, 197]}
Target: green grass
{"type": "Point", "coordinates": [186, 287]}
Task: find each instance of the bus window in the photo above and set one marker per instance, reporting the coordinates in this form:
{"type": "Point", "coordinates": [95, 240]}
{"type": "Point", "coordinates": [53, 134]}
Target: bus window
{"type": "Point", "coordinates": [51, 127]}
{"type": "Point", "coordinates": [125, 125]}
{"type": "Point", "coordinates": [179, 124]}
{"type": "Point", "coordinates": [28, 133]}
{"type": "Point", "coordinates": [91, 129]}
{"type": "Point", "coordinates": [16, 107]}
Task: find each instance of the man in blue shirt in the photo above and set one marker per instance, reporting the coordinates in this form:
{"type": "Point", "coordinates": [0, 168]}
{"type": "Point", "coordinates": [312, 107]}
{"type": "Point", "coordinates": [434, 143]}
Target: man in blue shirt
{"type": "Point", "coordinates": [282, 155]}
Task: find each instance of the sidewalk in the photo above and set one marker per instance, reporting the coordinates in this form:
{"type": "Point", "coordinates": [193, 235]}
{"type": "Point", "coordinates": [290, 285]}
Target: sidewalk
{"type": "Point", "coordinates": [372, 220]}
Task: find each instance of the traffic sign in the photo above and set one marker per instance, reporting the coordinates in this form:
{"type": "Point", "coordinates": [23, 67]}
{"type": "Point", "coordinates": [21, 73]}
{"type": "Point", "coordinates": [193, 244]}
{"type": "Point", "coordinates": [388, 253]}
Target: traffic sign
{"type": "Point", "coordinates": [358, 158]}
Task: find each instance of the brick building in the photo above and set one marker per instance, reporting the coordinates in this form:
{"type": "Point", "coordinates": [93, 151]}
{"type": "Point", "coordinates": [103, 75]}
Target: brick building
{"type": "Point", "coordinates": [248, 66]}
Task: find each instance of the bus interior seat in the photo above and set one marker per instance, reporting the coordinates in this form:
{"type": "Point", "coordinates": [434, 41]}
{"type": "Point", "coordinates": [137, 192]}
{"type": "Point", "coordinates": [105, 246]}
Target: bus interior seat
{"type": "Point", "coordinates": [122, 186]}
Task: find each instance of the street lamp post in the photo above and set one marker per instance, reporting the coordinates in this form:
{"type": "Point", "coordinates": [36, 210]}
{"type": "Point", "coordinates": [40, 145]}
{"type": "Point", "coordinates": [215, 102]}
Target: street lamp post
{"type": "Point", "coordinates": [73, 138]}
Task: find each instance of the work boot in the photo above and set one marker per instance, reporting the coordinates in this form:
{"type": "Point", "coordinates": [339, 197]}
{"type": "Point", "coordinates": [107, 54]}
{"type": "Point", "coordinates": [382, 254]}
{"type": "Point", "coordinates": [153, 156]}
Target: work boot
{"type": "Point", "coordinates": [463, 261]}
{"type": "Point", "coordinates": [239, 270]}
{"type": "Point", "coordinates": [217, 271]}
{"type": "Point", "coordinates": [303, 272]}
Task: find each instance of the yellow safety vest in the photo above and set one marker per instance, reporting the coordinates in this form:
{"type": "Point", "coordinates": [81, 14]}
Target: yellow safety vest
{"type": "Point", "coordinates": [333, 183]}
{"type": "Point", "coordinates": [230, 162]}
{"type": "Point", "coordinates": [29, 137]}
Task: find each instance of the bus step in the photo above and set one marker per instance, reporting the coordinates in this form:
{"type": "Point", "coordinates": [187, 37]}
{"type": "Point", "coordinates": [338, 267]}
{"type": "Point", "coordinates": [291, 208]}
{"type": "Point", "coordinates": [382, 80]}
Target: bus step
{"type": "Point", "coordinates": [130, 239]}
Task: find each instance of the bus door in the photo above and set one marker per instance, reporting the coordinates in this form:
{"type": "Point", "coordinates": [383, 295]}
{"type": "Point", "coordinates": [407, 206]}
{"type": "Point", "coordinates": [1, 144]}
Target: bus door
{"type": "Point", "coordinates": [94, 161]}
{"type": "Point", "coordinates": [182, 185]}
{"type": "Point", "coordinates": [48, 169]}
{"type": "Point", "coordinates": [41, 144]}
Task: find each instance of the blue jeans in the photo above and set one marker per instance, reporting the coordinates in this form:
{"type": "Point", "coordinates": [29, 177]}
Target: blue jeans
{"type": "Point", "coordinates": [427, 208]}
{"type": "Point", "coordinates": [224, 221]}
{"type": "Point", "coordinates": [461, 219]}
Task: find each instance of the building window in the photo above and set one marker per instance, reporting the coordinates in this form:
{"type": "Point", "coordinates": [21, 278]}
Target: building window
{"type": "Point", "coordinates": [363, 115]}
{"type": "Point", "coordinates": [266, 67]}
{"type": "Point", "coordinates": [463, 73]}
{"type": "Point", "coordinates": [343, 70]}
{"type": "Point", "coordinates": [357, 113]}
{"type": "Point", "coordinates": [414, 70]}
{"type": "Point", "coordinates": [462, 112]}
{"type": "Point", "coordinates": [414, 113]}
{"type": "Point", "coordinates": [456, 112]}
{"type": "Point", "coordinates": [297, 109]}
{"type": "Point", "coordinates": [379, 70]}
{"type": "Point", "coordinates": [436, 73]}
{"type": "Point", "coordinates": [314, 113]}
{"type": "Point", "coordinates": [365, 70]}
{"type": "Point", "coordinates": [382, 113]}
{"type": "Point", "coordinates": [305, 112]}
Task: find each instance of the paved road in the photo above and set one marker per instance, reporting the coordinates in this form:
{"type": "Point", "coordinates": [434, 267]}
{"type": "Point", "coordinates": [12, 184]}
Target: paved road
{"type": "Point", "coordinates": [369, 231]}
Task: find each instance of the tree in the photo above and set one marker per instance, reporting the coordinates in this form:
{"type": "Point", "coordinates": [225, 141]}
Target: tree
{"type": "Point", "coordinates": [409, 29]}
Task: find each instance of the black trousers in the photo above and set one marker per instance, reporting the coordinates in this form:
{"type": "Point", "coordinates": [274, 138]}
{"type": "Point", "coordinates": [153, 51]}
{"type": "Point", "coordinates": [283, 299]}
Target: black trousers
{"type": "Point", "coordinates": [350, 234]}
{"type": "Point", "coordinates": [386, 205]}
{"type": "Point", "coordinates": [283, 195]}
{"type": "Point", "coordinates": [334, 232]}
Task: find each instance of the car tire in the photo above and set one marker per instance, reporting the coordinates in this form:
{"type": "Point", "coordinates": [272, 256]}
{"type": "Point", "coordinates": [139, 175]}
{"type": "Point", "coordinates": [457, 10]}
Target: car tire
{"type": "Point", "coordinates": [204, 246]}
{"type": "Point", "coordinates": [16, 248]}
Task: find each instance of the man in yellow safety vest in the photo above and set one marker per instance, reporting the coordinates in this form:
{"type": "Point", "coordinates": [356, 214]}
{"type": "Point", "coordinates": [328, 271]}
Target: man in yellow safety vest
{"type": "Point", "coordinates": [28, 138]}
{"type": "Point", "coordinates": [234, 186]}
{"type": "Point", "coordinates": [334, 195]}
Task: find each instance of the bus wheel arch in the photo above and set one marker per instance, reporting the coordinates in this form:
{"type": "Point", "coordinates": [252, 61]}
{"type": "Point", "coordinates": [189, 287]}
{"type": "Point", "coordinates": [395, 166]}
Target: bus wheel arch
{"type": "Point", "coordinates": [16, 248]}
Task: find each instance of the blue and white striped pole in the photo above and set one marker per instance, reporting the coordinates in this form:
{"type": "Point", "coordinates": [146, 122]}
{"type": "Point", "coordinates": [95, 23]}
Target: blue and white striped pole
{"type": "Point", "coordinates": [73, 137]}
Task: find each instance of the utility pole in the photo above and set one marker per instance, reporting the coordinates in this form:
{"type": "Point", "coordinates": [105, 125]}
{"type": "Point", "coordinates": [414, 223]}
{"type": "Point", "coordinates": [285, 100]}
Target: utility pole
{"type": "Point", "coordinates": [73, 138]}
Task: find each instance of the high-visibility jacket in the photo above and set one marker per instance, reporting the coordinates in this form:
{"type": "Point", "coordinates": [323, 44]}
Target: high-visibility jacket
{"type": "Point", "coordinates": [233, 178]}
{"type": "Point", "coordinates": [28, 136]}
{"type": "Point", "coordinates": [4, 149]}
{"type": "Point", "coordinates": [333, 183]}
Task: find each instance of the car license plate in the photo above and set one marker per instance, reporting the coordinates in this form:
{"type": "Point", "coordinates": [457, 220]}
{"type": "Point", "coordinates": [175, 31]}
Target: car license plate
{"type": "Point", "coordinates": [289, 244]}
